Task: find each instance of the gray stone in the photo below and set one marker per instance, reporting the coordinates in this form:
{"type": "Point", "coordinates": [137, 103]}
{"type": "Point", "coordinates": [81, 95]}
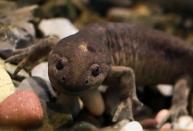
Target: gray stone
{"type": "Point", "coordinates": [41, 70]}
{"type": "Point", "coordinates": [42, 88]}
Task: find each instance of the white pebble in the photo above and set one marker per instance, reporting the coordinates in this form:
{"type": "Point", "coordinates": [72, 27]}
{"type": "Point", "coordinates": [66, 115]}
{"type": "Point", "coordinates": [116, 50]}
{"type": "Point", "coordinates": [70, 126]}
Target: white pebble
{"type": "Point", "coordinates": [165, 89]}
{"type": "Point", "coordinates": [132, 126]}
{"type": "Point", "coordinates": [190, 126]}
{"type": "Point", "coordinates": [60, 27]}
{"type": "Point", "coordinates": [184, 122]}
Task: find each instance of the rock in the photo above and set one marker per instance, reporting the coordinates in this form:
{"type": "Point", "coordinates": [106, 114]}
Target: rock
{"type": "Point", "coordinates": [15, 29]}
{"type": "Point", "coordinates": [149, 123]}
{"type": "Point", "coordinates": [65, 104]}
{"type": "Point", "coordinates": [11, 68]}
{"type": "Point", "coordinates": [6, 6]}
{"type": "Point", "coordinates": [161, 115]}
{"type": "Point", "coordinates": [166, 127]}
{"type": "Point", "coordinates": [23, 35]}
{"type": "Point", "coordinates": [6, 84]}
{"type": "Point", "coordinates": [103, 88]}
{"type": "Point", "coordinates": [132, 126]}
{"type": "Point", "coordinates": [18, 16]}
{"type": "Point", "coordinates": [22, 108]}
{"type": "Point", "coordinates": [60, 27]}
{"type": "Point", "coordinates": [165, 90]}
{"type": "Point", "coordinates": [5, 53]}
{"type": "Point", "coordinates": [190, 126]}
{"type": "Point", "coordinates": [138, 12]}
{"type": "Point", "coordinates": [13, 37]}
{"type": "Point", "coordinates": [102, 6]}
{"type": "Point", "coordinates": [42, 88]}
{"type": "Point", "coordinates": [84, 126]}
{"type": "Point", "coordinates": [41, 70]}
{"type": "Point", "coordinates": [124, 125]}
{"type": "Point", "coordinates": [54, 105]}
{"type": "Point", "coordinates": [184, 123]}
{"type": "Point", "coordinates": [59, 120]}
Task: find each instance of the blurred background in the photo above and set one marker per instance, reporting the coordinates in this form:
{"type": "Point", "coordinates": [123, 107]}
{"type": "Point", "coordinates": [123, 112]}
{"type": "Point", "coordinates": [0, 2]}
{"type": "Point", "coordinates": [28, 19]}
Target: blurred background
{"type": "Point", "coordinates": [173, 16]}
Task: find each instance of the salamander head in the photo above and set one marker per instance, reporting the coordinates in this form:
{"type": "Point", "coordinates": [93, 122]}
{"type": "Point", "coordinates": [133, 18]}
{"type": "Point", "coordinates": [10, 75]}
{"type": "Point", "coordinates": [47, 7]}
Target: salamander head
{"type": "Point", "coordinates": [76, 65]}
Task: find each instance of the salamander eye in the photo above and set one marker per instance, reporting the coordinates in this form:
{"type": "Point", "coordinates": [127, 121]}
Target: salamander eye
{"type": "Point", "coordinates": [60, 64]}
{"type": "Point", "coordinates": [95, 71]}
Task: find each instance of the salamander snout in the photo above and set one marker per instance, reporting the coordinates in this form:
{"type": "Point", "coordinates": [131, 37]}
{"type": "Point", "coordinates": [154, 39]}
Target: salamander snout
{"type": "Point", "coordinates": [94, 75]}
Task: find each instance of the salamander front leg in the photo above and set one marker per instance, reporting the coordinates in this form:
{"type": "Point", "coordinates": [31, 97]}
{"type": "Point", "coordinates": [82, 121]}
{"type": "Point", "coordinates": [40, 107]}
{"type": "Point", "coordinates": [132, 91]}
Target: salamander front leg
{"type": "Point", "coordinates": [124, 93]}
{"type": "Point", "coordinates": [30, 55]}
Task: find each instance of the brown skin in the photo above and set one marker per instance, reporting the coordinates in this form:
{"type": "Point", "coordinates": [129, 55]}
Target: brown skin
{"type": "Point", "coordinates": [103, 54]}
{"type": "Point", "coordinates": [71, 66]}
